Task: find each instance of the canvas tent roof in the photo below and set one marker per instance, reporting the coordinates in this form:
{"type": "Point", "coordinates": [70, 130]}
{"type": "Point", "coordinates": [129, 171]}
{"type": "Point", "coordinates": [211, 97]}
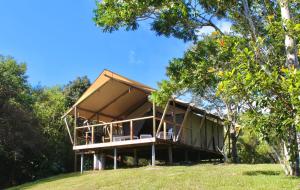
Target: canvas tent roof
{"type": "Point", "coordinates": [115, 97]}
{"type": "Point", "coordinates": [111, 96]}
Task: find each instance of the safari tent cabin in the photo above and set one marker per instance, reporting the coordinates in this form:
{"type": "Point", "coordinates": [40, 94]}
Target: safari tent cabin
{"type": "Point", "coordinates": [114, 119]}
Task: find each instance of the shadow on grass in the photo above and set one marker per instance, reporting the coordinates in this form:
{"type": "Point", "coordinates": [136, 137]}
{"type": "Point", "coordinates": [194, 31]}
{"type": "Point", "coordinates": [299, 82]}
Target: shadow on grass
{"type": "Point", "coordinates": [261, 172]}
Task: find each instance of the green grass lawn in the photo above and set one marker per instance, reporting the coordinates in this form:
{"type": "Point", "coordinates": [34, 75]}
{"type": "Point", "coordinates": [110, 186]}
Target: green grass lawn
{"type": "Point", "coordinates": [201, 176]}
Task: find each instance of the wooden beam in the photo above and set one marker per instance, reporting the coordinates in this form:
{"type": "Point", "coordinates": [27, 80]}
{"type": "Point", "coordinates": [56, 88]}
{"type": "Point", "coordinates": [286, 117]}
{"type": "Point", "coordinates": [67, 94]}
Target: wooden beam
{"type": "Point", "coordinates": [106, 115]}
{"type": "Point", "coordinates": [68, 129]}
{"type": "Point", "coordinates": [202, 120]}
{"type": "Point", "coordinates": [110, 102]}
{"type": "Point", "coordinates": [117, 122]}
{"type": "Point", "coordinates": [174, 121]}
{"type": "Point", "coordinates": [75, 125]}
{"type": "Point", "coordinates": [163, 116]}
{"type": "Point", "coordinates": [184, 120]}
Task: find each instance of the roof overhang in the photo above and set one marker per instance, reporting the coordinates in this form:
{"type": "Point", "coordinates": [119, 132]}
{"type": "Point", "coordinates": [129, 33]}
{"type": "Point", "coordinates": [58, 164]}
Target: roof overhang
{"type": "Point", "coordinates": [110, 97]}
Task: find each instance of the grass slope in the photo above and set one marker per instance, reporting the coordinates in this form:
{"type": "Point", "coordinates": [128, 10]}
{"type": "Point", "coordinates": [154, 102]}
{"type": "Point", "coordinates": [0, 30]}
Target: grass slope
{"type": "Point", "coordinates": [201, 176]}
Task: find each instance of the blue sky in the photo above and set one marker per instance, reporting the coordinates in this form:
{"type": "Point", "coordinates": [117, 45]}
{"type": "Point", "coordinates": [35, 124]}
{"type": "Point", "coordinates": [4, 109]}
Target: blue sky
{"type": "Point", "coordinates": [59, 41]}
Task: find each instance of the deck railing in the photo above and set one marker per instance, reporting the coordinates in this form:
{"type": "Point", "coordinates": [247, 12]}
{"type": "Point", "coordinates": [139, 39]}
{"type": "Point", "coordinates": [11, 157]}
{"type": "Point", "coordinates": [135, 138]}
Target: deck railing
{"type": "Point", "coordinates": [109, 131]}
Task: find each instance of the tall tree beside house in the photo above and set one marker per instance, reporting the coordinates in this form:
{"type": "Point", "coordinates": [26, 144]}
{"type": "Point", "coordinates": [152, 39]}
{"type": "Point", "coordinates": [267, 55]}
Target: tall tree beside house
{"type": "Point", "coordinates": [33, 140]}
{"type": "Point", "coordinates": [253, 70]}
{"type": "Point", "coordinates": [21, 138]}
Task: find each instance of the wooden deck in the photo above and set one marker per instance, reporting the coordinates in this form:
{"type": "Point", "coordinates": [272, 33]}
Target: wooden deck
{"type": "Point", "coordinates": [115, 144]}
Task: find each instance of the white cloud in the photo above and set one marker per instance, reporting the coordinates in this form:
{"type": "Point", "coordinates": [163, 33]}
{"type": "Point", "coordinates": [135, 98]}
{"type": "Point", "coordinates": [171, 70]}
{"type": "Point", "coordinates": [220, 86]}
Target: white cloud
{"type": "Point", "coordinates": [132, 58]}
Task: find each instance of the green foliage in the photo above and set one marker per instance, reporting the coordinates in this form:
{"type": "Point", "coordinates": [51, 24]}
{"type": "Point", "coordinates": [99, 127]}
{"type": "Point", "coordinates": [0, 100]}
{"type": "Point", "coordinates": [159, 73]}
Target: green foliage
{"type": "Point", "coordinates": [245, 70]}
{"type": "Point", "coordinates": [21, 140]}
{"type": "Point", "coordinates": [181, 19]}
{"type": "Point", "coordinates": [34, 142]}
{"type": "Point", "coordinates": [74, 89]}
{"type": "Point", "coordinates": [252, 149]}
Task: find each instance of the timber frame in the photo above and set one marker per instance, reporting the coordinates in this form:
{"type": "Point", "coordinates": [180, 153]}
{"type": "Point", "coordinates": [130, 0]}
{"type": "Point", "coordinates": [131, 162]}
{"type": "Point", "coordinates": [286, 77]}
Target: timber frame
{"type": "Point", "coordinates": [125, 122]}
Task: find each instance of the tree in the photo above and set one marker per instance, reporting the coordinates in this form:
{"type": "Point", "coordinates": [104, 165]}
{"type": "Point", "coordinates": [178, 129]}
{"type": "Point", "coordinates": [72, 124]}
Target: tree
{"type": "Point", "coordinates": [247, 68]}
{"type": "Point", "coordinates": [21, 140]}
{"type": "Point", "coordinates": [181, 19]}
{"type": "Point", "coordinates": [74, 89]}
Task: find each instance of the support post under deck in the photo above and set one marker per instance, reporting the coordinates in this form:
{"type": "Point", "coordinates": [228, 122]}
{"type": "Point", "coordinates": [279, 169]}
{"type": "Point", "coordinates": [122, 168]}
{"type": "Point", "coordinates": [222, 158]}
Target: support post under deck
{"type": "Point", "coordinates": [81, 163]}
{"type": "Point", "coordinates": [115, 158]}
{"type": "Point", "coordinates": [153, 154]}
{"type": "Point", "coordinates": [135, 161]}
{"type": "Point", "coordinates": [102, 161]}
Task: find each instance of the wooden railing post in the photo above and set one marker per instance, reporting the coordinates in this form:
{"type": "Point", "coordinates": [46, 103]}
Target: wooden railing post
{"type": "Point", "coordinates": [131, 129]}
{"type": "Point", "coordinates": [111, 132]}
{"type": "Point", "coordinates": [92, 134]}
{"type": "Point", "coordinates": [165, 130]}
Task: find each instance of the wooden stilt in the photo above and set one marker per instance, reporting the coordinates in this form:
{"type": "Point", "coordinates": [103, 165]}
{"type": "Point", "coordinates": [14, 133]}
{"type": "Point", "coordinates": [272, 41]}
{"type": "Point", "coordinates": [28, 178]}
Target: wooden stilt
{"type": "Point", "coordinates": [115, 158]}
{"type": "Point", "coordinates": [153, 154]}
{"type": "Point", "coordinates": [81, 163]}
{"type": "Point", "coordinates": [95, 161]}
{"type": "Point", "coordinates": [135, 161]}
{"type": "Point", "coordinates": [102, 161]}
{"type": "Point", "coordinates": [170, 153]}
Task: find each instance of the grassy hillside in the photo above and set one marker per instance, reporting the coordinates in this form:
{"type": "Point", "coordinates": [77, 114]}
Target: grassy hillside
{"type": "Point", "coordinates": [201, 176]}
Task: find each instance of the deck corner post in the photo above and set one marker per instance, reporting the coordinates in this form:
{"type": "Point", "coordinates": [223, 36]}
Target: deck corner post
{"type": "Point", "coordinates": [115, 158]}
{"type": "Point", "coordinates": [154, 119]}
{"type": "Point", "coordinates": [153, 154]}
{"type": "Point", "coordinates": [81, 163]}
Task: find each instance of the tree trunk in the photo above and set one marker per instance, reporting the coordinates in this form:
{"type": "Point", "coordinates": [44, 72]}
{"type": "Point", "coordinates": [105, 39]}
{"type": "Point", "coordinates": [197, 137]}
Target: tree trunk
{"type": "Point", "coordinates": [291, 60]}
{"type": "Point", "coordinates": [294, 152]}
{"type": "Point", "coordinates": [231, 115]}
{"type": "Point", "coordinates": [290, 44]}
{"type": "Point", "coordinates": [234, 152]}
{"type": "Point", "coordinates": [249, 19]}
